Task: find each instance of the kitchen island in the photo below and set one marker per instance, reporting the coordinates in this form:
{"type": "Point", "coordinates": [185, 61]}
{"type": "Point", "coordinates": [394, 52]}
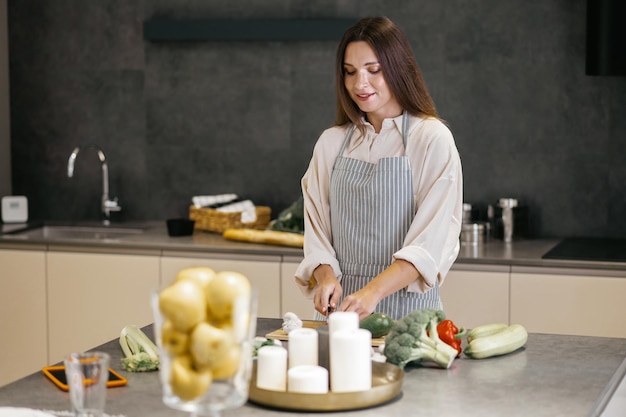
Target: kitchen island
{"type": "Point", "coordinates": [554, 375]}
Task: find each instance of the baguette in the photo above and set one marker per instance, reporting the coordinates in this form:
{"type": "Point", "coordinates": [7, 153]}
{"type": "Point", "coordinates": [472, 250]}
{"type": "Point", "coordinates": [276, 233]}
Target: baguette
{"type": "Point", "coordinates": [270, 237]}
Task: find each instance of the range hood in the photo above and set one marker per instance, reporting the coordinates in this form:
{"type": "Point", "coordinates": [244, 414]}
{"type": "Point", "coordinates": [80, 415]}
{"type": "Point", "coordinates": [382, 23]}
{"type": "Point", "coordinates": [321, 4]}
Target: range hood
{"type": "Point", "coordinates": [606, 37]}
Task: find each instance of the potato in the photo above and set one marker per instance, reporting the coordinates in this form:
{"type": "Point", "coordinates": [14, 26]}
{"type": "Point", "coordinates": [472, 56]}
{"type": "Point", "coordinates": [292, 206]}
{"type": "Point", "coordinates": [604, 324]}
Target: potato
{"type": "Point", "coordinates": [228, 365]}
{"type": "Point", "coordinates": [222, 291]}
{"type": "Point", "coordinates": [208, 345]}
{"type": "Point", "coordinates": [174, 341]}
{"type": "Point", "coordinates": [184, 303]}
{"type": "Point", "coordinates": [186, 383]}
{"type": "Point", "coordinates": [201, 275]}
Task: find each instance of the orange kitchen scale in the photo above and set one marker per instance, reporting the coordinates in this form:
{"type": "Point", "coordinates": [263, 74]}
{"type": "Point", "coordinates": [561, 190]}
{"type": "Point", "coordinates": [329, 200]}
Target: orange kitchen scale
{"type": "Point", "coordinates": [57, 375]}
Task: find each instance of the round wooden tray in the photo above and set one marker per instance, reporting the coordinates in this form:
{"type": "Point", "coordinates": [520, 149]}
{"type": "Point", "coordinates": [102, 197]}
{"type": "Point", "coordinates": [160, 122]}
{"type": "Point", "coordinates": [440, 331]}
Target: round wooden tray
{"type": "Point", "coordinates": [386, 385]}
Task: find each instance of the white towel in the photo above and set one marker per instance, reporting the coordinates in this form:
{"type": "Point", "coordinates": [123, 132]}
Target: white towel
{"type": "Point", "coordinates": [207, 200]}
{"type": "Point", "coordinates": [246, 207]}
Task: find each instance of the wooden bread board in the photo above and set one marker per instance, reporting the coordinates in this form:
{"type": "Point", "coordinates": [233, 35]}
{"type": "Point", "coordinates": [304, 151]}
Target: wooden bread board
{"type": "Point", "coordinates": [279, 334]}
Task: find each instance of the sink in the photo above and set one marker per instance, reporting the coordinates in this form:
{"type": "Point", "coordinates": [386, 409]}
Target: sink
{"type": "Point", "coordinates": [81, 232]}
{"type": "Point", "coordinates": [89, 232]}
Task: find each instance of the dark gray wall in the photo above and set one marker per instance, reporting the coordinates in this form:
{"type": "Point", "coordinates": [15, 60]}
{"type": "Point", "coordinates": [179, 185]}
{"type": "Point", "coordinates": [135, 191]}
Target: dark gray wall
{"type": "Point", "coordinates": [5, 130]}
{"type": "Point", "coordinates": [183, 118]}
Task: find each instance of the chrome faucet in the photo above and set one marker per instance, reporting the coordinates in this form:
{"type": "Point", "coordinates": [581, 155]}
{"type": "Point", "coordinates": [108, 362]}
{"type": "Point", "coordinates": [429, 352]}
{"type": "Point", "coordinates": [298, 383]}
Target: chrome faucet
{"type": "Point", "coordinates": [107, 205]}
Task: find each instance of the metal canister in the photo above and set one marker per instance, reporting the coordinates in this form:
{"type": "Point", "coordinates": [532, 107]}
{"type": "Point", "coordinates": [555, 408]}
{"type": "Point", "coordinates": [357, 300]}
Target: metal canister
{"type": "Point", "coordinates": [472, 233]}
{"type": "Point", "coordinates": [507, 205]}
{"type": "Point", "coordinates": [467, 213]}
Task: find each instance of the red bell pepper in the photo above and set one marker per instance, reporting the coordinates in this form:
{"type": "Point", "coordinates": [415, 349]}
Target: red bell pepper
{"type": "Point", "coordinates": [450, 334]}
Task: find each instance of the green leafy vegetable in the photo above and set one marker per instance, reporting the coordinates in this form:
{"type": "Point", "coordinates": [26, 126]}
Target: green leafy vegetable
{"type": "Point", "coordinates": [260, 342]}
{"type": "Point", "coordinates": [140, 352]}
{"type": "Point", "coordinates": [290, 219]}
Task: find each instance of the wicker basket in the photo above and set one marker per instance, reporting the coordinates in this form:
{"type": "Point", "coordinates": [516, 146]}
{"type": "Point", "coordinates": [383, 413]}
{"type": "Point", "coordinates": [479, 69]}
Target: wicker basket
{"type": "Point", "coordinates": [212, 220]}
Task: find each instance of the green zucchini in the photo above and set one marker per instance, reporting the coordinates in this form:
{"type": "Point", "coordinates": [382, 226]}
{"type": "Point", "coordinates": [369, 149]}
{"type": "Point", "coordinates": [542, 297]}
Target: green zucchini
{"type": "Point", "coordinates": [505, 341]}
{"type": "Point", "coordinates": [485, 330]}
{"type": "Point", "coordinates": [378, 324]}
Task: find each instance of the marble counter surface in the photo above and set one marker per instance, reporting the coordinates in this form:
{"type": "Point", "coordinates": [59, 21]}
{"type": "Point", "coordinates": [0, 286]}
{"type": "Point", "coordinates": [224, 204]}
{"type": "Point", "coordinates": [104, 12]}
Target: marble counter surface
{"type": "Point", "coordinates": [552, 376]}
{"type": "Point", "coordinates": [155, 240]}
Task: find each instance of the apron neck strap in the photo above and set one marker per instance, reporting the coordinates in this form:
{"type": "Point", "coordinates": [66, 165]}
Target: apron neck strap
{"type": "Point", "coordinates": [405, 130]}
{"type": "Point", "coordinates": [405, 127]}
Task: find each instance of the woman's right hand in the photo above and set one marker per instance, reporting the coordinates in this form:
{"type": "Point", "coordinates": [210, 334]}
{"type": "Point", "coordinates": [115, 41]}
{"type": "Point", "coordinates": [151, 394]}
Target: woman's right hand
{"type": "Point", "coordinates": [327, 290]}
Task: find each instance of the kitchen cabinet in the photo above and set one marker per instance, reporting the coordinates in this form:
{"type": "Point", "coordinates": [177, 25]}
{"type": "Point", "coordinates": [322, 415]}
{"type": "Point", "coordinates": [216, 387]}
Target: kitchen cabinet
{"type": "Point", "coordinates": [23, 328]}
{"type": "Point", "coordinates": [569, 301]}
{"type": "Point", "coordinates": [476, 294]}
{"type": "Point", "coordinates": [262, 271]}
{"type": "Point", "coordinates": [291, 297]}
{"type": "Point", "coordinates": [74, 296]}
{"type": "Point", "coordinates": [92, 296]}
{"type": "Point", "coordinates": [471, 294]}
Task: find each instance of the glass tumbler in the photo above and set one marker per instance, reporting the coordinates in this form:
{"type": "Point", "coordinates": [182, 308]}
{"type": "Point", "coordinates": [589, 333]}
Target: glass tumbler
{"type": "Point", "coordinates": [87, 375]}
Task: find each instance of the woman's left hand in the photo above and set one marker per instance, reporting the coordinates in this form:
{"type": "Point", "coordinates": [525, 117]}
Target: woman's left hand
{"type": "Point", "coordinates": [362, 302]}
{"type": "Point", "coordinates": [399, 274]}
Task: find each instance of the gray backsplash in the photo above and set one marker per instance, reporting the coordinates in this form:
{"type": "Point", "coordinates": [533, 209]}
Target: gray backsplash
{"type": "Point", "coordinates": [177, 119]}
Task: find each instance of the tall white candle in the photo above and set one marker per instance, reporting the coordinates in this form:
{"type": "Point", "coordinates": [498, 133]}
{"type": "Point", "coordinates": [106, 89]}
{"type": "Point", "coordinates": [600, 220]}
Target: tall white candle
{"type": "Point", "coordinates": [307, 379]}
{"type": "Point", "coordinates": [350, 360]}
{"type": "Point", "coordinates": [271, 371]}
{"type": "Point", "coordinates": [303, 347]}
{"type": "Point", "coordinates": [343, 320]}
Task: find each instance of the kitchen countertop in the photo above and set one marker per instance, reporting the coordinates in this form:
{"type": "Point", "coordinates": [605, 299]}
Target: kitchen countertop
{"type": "Point", "coordinates": [155, 241]}
{"type": "Point", "coordinates": [553, 376]}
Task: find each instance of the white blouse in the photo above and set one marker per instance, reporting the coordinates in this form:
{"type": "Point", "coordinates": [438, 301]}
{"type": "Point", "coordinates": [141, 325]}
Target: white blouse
{"type": "Point", "coordinates": [432, 242]}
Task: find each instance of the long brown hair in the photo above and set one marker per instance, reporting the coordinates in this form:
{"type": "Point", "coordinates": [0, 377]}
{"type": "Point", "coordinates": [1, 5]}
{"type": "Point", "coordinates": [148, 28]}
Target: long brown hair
{"type": "Point", "coordinates": [398, 65]}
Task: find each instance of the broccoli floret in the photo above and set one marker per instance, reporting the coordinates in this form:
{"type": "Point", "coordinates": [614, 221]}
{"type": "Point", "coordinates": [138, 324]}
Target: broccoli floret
{"type": "Point", "coordinates": [414, 338]}
{"type": "Point", "coordinates": [140, 362]}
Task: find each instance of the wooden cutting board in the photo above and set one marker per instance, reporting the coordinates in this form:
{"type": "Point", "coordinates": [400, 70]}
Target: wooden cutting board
{"type": "Point", "coordinates": [279, 334]}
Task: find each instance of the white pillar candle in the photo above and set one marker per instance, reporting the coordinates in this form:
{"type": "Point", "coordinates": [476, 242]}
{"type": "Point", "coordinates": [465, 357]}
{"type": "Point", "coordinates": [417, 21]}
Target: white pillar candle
{"type": "Point", "coordinates": [271, 371]}
{"type": "Point", "coordinates": [350, 360]}
{"type": "Point", "coordinates": [343, 320]}
{"type": "Point", "coordinates": [303, 347]}
{"type": "Point", "coordinates": [307, 379]}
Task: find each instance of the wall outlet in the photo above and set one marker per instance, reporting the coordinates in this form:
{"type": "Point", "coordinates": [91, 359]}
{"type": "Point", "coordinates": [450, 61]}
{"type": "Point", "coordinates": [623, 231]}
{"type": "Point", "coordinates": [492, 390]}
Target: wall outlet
{"type": "Point", "coordinates": [14, 209]}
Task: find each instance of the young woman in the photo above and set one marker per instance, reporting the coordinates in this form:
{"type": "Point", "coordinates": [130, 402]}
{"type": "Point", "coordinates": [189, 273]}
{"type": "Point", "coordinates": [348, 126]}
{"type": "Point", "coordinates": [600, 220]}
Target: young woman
{"type": "Point", "coordinates": [383, 192]}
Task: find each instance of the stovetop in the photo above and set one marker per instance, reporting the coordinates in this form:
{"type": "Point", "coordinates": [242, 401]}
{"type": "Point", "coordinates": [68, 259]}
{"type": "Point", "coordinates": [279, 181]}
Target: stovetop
{"type": "Point", "coordinates": [589, 249]}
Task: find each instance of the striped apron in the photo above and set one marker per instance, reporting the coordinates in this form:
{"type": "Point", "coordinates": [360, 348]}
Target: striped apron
{"type": "Point", "coordinates": [371, 208]}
